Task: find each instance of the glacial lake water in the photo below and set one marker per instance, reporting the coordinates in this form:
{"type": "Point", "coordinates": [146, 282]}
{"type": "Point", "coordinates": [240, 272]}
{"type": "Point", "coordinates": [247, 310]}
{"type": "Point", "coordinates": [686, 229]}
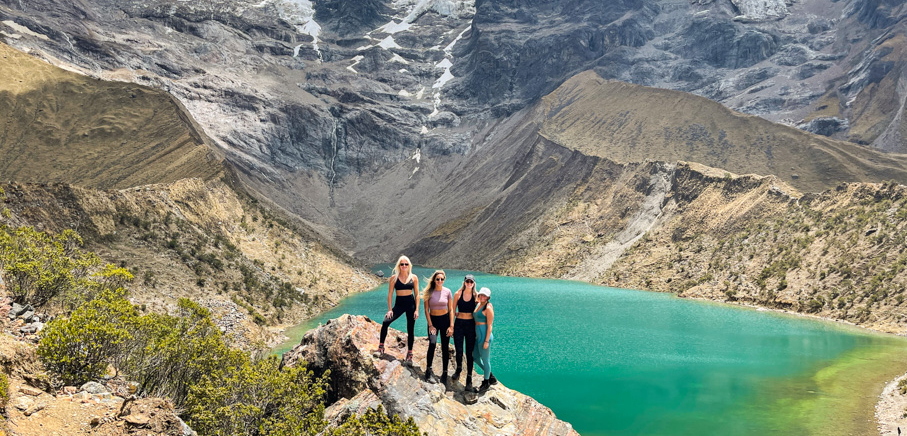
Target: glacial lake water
{"type": "Point", "coordinates": [623, 362]}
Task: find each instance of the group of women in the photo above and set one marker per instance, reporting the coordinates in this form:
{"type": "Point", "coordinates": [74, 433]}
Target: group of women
{"type": "Point", "coordinates": [466, 316]}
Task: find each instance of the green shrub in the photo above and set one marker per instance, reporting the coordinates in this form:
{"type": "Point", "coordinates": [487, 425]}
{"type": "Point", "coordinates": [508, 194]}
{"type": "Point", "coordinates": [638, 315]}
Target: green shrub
{"type": "Point", "coordinates": [79, 348]}
{"type": "Point", "coordinates": [39, 267]}
{"type": "Point", "coordinates": [375, 423]}
{"type": "Point", "coordinates": [170, 353]}
{"type": "Point", "coordinates": [902, 386]}
{"type": "Point", "coordinates": [4, 392]}
{"type": "Point", "coordinates": [258, 398]}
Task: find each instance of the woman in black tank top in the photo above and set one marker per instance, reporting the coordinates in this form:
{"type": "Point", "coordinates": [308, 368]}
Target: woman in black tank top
{"type": "Point", "coordinates": [402, 284]}
{"type": "Point", "coordinates": [465, 327]}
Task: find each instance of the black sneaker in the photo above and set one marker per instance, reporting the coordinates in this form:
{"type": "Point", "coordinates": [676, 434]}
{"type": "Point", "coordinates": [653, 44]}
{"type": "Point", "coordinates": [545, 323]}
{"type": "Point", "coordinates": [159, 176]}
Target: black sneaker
{"type": "Point", "coordinates": [429, 377]}
{"type": "Point", "coordinates": [456, 374]}
{"type": "Point", "coordinates": [444, 379]}
{"type": "Point", "coordinates": [469, 387]}
{"type": "Point", "coordinates": [492, 380]}
{"type": "Point", "coordinates": [484, 386]}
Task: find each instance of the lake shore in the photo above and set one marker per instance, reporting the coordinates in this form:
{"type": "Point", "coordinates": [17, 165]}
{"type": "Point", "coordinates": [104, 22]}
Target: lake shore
{"type": "Point", "coordinates": [891, 408]}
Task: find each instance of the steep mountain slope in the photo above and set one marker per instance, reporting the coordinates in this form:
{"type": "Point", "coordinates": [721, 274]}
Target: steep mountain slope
{"type": "Point", "coordinates": [180, 222]}
{"type": "Point", "coordinates": [630, 123]}
{"type": "Point", "coordinates": [58, 126]}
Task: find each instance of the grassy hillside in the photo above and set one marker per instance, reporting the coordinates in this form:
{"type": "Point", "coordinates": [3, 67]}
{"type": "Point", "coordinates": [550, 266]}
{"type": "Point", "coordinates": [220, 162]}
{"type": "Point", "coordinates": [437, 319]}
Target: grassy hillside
{"type": "Point", "coordinates": [198, 240]}
{"type": "Point", "coordinates": [744, 239]}
{"type": "Point", "coordinates": [630, 123]}
{"type": "Point", "coordinates": [58, 126]}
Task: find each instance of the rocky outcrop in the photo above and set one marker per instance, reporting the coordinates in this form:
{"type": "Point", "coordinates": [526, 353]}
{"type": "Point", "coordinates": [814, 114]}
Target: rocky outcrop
{"type": "Point", "coordinates": [359, 381]}
{"type": "Point", "coordinates": [760, 10]}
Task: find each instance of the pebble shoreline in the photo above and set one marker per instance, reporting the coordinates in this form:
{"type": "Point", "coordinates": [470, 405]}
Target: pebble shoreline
{"type": "Point", "coordinates": [891, 408]}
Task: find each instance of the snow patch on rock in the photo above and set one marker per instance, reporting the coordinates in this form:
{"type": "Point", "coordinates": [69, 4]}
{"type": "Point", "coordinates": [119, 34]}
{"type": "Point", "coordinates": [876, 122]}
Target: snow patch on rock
{"type": "Point", "coordinates": [760, 10]}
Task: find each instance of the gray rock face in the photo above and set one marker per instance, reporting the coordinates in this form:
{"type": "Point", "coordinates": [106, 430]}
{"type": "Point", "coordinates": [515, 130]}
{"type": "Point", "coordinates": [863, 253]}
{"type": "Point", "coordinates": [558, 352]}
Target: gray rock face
{"type": "Point", "coordinates": [825, 126]}
{"type": "Point", "coordinates": [760, 10]}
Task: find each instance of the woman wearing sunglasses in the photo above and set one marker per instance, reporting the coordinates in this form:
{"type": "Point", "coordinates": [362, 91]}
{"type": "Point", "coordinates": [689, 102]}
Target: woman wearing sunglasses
{"type": "Point", "coordinates": [405, 285]}
{"type": "Point", "coordinates": [465, 327]}
{"type": "Point", "coordinates": [440, 311]}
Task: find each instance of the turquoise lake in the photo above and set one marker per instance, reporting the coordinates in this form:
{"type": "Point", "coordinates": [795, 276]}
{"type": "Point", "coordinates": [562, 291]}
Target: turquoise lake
{"type": "Point", "coordinates": [623, 362]}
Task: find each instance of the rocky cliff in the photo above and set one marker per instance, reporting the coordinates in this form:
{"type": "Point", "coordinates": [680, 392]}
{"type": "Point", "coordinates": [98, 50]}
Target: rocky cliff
{"type": "Point", "coordinates": [359, 381]}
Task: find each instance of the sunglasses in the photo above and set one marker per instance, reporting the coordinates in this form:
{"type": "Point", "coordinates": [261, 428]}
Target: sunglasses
{"type": "Point", "coordinates": [439, 279]}
{"type": "Point", "coordinates": [404, 264]}
{"type": "Point", "coordinates": [469, 281]}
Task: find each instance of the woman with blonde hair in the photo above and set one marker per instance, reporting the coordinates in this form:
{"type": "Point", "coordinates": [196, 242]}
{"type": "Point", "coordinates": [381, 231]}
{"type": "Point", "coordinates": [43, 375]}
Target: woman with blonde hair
{"type": "Point", "coordinates": [440, 311]}
{"type": "Point", "coordinates": [404, 284]}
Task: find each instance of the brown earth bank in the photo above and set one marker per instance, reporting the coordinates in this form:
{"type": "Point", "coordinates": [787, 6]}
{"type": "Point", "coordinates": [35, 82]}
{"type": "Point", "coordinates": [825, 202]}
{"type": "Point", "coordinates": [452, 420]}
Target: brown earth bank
{"type": "Point", "coordinates": [359, 380]}
{"type": "Point", "coordinates": [256, 271]}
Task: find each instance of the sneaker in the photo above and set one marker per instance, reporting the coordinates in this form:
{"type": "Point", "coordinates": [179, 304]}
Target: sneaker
{"type": "Point", "coordinates": [469, 387]}
{"type": "Point", "coordinates": [429, 377]}
{"type": "Point", "coordinates": [484, 386]}
{"type": "Point", "coordinates": [492, 380]}
{"type": "Point", "coordinates": [444, 379]}
{"type": "Point", "coordinates": [409, 358]}
{"type": "Point", "coordinates": [380, 351]}
{"type": "Point", "coordinates": [456, 374]}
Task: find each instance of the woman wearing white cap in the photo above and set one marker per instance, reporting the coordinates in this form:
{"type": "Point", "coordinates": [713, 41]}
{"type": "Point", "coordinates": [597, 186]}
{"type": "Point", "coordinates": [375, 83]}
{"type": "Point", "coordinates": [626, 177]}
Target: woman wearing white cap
{"type": "Point", "coordinates": [484, 316]}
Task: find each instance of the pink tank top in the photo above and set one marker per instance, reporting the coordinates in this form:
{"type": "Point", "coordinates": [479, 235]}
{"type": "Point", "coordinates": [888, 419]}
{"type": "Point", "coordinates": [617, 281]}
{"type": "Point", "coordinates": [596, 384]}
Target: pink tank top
{"type": "Point", "coordinates": [439, 299]}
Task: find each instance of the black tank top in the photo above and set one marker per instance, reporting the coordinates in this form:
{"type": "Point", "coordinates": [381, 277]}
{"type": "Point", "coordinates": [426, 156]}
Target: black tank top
{"type": "Point", "coordinates": [400, 286]}
{"type": "Point", "coordinates": [464, 306]}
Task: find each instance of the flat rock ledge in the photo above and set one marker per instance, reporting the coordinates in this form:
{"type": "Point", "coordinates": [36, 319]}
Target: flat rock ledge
{"type": "Point", "coordinates": [359, 381]}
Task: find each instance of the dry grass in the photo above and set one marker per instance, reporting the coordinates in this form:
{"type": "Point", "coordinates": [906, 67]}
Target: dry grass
{"type": "Point", "coordinates": [631, 123]}
{"type": "Point", "coordinates": [58, 126]}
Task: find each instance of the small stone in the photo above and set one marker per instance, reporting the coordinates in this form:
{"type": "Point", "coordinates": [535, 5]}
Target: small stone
{"type": "Point", "coordinates": [28, 390]}
{"type": "Point", "coordinates": [35, 409]}
{"type": "Point", "coordinates": [81, 396]}
{"type": "Point", "coordinates": [23, 403]}
{"type": "Point", "coordinates": [95, 388]}
{"type": "Point", "coordinates": [69, 390]}
{"type": "Point", "coordinates": [137, 419]}
{"type": "Point", "coordinates": [27, 316]}
{"type": "Point", "coordinates": [132, 387]}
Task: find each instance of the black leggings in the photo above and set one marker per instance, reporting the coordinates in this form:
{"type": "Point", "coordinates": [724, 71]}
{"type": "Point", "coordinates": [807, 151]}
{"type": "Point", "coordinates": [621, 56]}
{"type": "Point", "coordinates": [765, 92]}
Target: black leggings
{"type": "Point", "coordinates": [442, 323]}
{"type": "Point", "coordinates": [403, 304]}
{"type": "Point", "coordinates": [464, 329]}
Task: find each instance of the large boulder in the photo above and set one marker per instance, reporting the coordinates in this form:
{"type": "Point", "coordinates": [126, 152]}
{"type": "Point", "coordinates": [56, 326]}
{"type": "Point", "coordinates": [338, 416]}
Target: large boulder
{"type": "Point", "coordinates": [360, 381]}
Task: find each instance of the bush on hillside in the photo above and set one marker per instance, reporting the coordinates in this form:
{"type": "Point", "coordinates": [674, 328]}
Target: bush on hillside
{"type": "Point", "coordinates": [168, 354]}
{"type": "Point", "coordinates": [40, 268]}
{"type": "Point", "coordinates": [4, 392]}
{"type": "Point", "coordinates": [258, 398]}
{"type": "Point", "coordinates": [78, 349]}
{"type": "Point", "coordinates": [375, 423]}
